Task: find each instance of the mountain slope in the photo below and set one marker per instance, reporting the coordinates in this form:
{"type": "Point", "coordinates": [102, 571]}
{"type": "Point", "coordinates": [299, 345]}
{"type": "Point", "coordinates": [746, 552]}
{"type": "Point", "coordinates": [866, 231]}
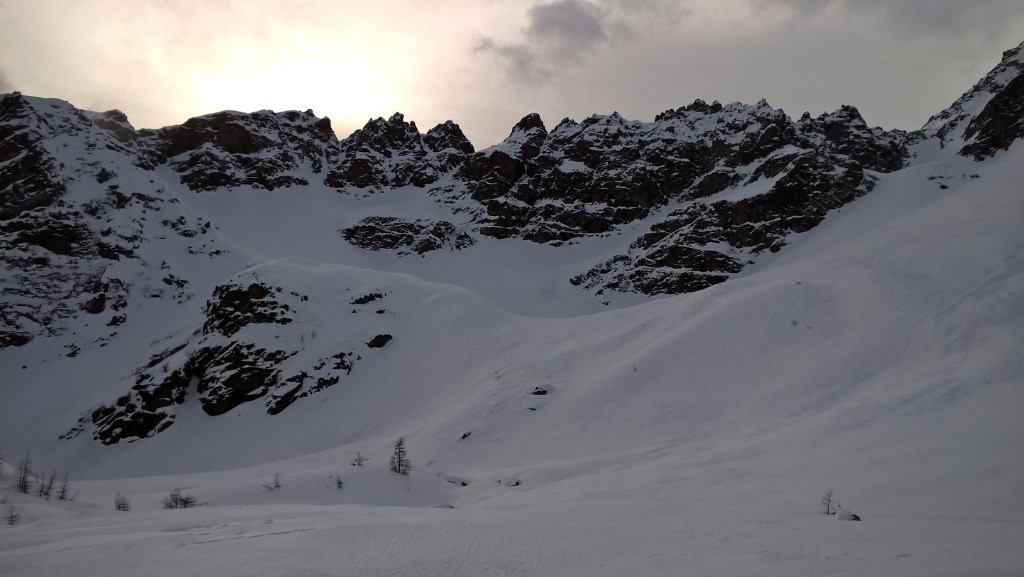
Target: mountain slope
{"type": "Point", "coordinates": [860, 358]}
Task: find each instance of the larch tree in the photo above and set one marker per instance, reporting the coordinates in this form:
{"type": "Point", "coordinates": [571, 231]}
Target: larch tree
{"type": "Point", "coordinates": [399, 458]}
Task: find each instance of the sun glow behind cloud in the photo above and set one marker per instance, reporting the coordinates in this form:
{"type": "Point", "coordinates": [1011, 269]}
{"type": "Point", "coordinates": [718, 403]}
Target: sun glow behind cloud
{"type": "Point", "coordinates": [277, 77]}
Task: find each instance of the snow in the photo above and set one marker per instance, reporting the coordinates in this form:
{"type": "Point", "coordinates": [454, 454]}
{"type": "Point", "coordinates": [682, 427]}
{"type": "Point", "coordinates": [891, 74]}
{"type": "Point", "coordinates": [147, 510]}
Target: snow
{"type": "Point", "coordinates": [878, 354]}
{"type": "Point", "coordinates": [748, 190]}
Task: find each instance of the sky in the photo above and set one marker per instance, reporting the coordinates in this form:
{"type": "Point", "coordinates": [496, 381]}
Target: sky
{"type": "Point", "coordinates": [487, 63]}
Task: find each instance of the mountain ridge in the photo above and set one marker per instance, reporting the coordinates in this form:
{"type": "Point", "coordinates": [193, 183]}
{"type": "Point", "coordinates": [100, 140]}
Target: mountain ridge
{"type": "Point", "coordinates": [104, 225]}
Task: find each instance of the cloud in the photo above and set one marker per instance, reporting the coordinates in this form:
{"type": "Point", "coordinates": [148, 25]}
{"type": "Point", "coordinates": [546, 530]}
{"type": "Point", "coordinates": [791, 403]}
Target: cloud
{"type": "Point", "coordinates": [942, 17]}
{"type": "Point", "coordinates": [561, 33]}
{"type": "Point", "coordinates": [521, 62]}
{"type": "Point", "coordinates": [930, 17]}
{"type": "Point", "coordinates": [569, 26]}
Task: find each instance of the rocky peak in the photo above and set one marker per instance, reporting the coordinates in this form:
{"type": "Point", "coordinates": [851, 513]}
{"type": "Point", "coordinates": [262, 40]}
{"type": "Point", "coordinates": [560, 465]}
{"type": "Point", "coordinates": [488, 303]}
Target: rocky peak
{"type": "Point", "coordinates": [46, 117]}
{"type": "Point", "coordinates": [529, 123]}
{"type": "Point", "coordinates": [983, 117]}
{"type": "Point", "coordinates": [242, 133]}
{"type": "Point", "coordinates": [15, 108]}
{"type": "Point", "coordinates": [392, 153]}
{"type": "Point", "coordinates": [526, 137]}
{"type": "Point", "coordinates": [490, 173]}
{"type": "Point", "coordinates": [999, 123]}
{"type": "Point", "coordinates": [448, 136]}
{"type": "Point", "coordinates": [384, 136]}
{"type": "Point", "coordinates": [116, 122]}
{"type": "Point", "coordinates": [846, 132]}
{"type": "Point", "coordinates": [233, 132]}
{"type": "Point", "coordinates": [449, 144]}
{"type": "Point", "coordinates": [697, 105]}
{"type": "Point", "coordinates": [262, 149]}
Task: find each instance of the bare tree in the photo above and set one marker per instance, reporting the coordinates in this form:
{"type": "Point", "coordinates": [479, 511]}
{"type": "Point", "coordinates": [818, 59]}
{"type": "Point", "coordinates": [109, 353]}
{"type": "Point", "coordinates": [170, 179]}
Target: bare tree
{"type": "Point", "coordinates": [64, 493]}
{"type": "Point", "coordinates": [338, 483]}
{"type": "Point", "coordinates": [359, 460]}
{"type": "Point", "coordinates": [121, 503]}
{"type": "Point", "coordinates": [12, 517]}
{"type": "Point", "coordinates": [827, 502]}
{"type": "Point", "coordinates": [24, 471]}
{"type": "Point", "coordinates": [399, 458]}
{"type": "Point", "coordinates": [47, 487]}
{"type": "Point", "coordinates": [178, 500]}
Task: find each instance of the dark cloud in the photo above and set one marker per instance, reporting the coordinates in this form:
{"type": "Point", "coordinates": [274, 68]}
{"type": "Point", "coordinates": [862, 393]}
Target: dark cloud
{"type": "Point", "coordinates": [570, 26]}
{"type": "Point", "coordinates": [561, 33]}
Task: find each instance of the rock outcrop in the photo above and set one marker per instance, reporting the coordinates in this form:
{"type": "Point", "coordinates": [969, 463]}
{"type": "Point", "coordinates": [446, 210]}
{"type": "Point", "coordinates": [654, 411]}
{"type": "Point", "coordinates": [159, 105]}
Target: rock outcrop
{"type": "Point", "coordinates": [232, 360]}
{"type": "Point", "coordinates": [388, 233]}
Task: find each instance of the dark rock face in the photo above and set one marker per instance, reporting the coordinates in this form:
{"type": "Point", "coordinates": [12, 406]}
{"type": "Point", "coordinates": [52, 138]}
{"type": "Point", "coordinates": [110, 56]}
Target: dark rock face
{"type": "Point", "coordinates": [223, 377]}
{"type": "Point", "coordinates": [673, 258]}
{"type": "Point", "coordinates": [384, 233]}
{"type": "Point", "coordinates": [28, 175]}
{"type": "Point", "coordinates": [999, 124]}
{"type": "Point", "coordinates": [233, 307]}
{"type": "Point", "coordinates": [52, 258]}
{"type": "Point", "coordinates": [750, 175]}
{"type": "Point", "coordinates": [228, 149]}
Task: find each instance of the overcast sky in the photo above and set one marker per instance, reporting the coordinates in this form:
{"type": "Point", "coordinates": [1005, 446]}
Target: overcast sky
{"type": "Point", "coordinates": [487, 63]}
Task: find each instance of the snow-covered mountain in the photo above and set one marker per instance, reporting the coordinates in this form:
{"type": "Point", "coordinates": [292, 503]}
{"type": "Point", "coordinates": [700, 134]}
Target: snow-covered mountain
{"type": "Point", "coordinates": [694, 325]}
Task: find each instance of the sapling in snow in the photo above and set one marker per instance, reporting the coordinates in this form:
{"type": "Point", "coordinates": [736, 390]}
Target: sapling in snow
{"type": "Point", "coordinates": [826, 501]}
{"type": "Point", "coordinates": [276, 484]}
